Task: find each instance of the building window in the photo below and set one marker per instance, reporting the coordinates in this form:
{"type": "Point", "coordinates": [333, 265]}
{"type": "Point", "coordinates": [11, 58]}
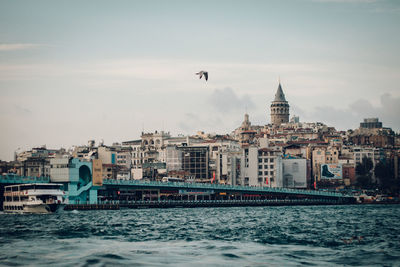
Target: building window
{"type": "Point", "coordinates": [266, 173]}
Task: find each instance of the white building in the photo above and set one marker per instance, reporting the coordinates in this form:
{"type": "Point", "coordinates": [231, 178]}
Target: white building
{"type": "Point", "coordinates": [59, 169]}
{"type": "Point", "coordinates": [228, 167]}
{"type": "Point", "coordinates": [375, 154]}
{"type": "Point", "coordinates": [294, 173]}
{"type": "Point", "coordinates": [261, 167]}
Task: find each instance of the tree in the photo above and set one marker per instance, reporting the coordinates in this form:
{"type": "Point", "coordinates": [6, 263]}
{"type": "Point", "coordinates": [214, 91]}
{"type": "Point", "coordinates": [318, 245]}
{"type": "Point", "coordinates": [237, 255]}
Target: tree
{"type": "Point", "coordinates": [364, 174]}
{"type": "Point", "coordinates": [384, 173]}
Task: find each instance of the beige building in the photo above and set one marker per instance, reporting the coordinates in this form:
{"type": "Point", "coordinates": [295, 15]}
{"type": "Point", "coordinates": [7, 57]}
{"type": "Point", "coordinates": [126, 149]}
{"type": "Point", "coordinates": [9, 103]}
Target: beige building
{"type": "Point", "coordinates": [323, 155]}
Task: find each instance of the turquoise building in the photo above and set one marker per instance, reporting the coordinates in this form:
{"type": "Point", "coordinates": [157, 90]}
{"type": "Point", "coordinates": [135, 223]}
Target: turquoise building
{"type": "Point", "coordinates": [77, 177]}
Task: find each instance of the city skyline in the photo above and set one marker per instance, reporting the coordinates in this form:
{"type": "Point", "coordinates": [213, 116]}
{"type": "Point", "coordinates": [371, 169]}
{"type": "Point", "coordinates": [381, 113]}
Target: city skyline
{"type": "Point", "coordinates": [73, 71]}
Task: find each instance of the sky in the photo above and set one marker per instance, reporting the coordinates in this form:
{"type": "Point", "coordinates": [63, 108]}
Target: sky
{"type": "Point", "coordinates": [72, 71]}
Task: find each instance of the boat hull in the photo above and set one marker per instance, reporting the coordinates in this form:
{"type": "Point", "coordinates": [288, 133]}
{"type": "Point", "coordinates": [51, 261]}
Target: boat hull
{"type": "Point", "coordinates": [36, 208]}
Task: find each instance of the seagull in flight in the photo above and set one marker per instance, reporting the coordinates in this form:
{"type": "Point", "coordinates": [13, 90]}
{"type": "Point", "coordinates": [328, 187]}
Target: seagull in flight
{"type": "Point", "coordinates": [201, 73]}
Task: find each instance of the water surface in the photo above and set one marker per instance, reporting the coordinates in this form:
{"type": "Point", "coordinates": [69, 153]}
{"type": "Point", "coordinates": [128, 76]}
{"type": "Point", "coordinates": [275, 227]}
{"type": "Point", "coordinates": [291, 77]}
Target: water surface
{"type": "Point", "coordinates": [367, 235]}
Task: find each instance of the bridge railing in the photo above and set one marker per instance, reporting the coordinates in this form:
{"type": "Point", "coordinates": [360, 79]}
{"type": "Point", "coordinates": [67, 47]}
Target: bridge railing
{"type": "Point", "coordinates": [16, 179]}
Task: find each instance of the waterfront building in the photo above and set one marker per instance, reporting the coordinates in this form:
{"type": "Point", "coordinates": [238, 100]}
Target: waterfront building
{"type": "Point", "coordinates": [216, 145]}
{"type": "Point", "coordinates": [249, 163]}
{"type": "Point", "coordinates": [261, 166]}
{"type": "Point", "coordinates": [35, 162]}
{"type": "Point", "coordinates": [349, 174]}
{"type": "Point", "coordinates": [76, 175]}
{"type": "Point", "coordinates": [270, 168]}
{"type": "Point", "coordinates": [35, 167]}
{"type": "Point", "coordinates": [294, 173]}
{"type": "Point", "coordinates": [195, 160]}
{"type": "Point", "coordinates": [228, 166]}
{"type": "Point", "coordinates": [174, 159]}
{"type": "Point", "coordinates": [151, 150]}
{"type": "Point", "coordinates": [322, 155]}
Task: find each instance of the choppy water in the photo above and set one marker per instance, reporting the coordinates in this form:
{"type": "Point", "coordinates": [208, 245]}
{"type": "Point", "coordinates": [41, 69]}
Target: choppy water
{"type": "Point", "coordinates": [243, 236]}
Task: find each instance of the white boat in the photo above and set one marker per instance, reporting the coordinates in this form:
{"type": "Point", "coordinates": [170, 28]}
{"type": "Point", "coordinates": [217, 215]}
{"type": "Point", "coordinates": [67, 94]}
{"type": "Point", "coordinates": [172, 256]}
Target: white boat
{"type": "Point", "coordinates": [33, 198]}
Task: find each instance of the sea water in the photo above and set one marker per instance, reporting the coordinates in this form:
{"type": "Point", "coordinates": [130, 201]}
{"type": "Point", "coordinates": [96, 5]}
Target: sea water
{"type": "Point", "coordinates": [353, 235]}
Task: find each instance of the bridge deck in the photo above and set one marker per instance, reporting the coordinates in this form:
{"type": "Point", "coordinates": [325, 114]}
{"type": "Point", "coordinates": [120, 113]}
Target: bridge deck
{"type": "Point", "coordinates": [14, 179]}
{"type": "Point", "coordinates": [217, 188]}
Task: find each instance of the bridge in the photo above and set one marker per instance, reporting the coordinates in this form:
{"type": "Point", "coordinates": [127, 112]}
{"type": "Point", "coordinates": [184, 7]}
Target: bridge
{"type": "Point", "coordinates": [218, 188]}
{"type": "Point", "coordinates": [145, 192]}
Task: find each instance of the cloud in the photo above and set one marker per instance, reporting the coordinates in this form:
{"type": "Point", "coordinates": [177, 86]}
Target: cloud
{"type": "Point", "coordinates": [13, 47]}
{"type": "Point", "coordinates": [191, 123]}
{"type": "Point", "coordinates": [221, 112]}
{"type": "Point", "coordinates": [226, 100]}
{"type": "Point", "coordinates": [349, 118]}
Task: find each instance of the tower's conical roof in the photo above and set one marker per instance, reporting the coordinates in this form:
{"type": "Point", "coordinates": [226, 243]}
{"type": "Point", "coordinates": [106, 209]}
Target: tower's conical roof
{"type": "Point", "coordinates": [279, 96]}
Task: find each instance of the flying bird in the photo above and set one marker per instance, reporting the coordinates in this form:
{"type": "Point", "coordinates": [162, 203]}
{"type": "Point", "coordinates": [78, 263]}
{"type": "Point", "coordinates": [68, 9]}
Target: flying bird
{"type": "Point", "coordinates": [201, 73]}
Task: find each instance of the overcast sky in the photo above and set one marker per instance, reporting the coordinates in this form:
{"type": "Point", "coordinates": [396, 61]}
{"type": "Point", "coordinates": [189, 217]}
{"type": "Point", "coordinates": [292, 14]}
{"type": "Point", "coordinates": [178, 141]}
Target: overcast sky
{"type": "Point", "coordinates": [71, 71]}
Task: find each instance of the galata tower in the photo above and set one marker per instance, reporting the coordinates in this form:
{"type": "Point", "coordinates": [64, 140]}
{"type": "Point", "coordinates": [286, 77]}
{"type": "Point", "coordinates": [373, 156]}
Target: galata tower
{"type": "Point", "coordinates": [279, 108]}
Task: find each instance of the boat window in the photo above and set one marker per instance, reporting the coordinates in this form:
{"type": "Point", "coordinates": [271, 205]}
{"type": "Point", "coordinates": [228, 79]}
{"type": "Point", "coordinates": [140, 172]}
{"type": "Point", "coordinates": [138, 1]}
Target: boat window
{"type": "Point", "coordinates": [25, 187]}
{"type": "Point", "coordinates": [47, 186]}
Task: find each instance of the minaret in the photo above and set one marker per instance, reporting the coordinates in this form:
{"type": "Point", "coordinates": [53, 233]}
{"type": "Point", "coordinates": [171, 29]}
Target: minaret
{"type": "Point", "coordinates": [279, 108]}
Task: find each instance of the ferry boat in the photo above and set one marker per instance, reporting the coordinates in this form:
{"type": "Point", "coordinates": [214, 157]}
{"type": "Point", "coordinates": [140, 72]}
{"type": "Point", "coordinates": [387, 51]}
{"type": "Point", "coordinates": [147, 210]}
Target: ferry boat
{"type": "Point", "coordinates": [33, 198]}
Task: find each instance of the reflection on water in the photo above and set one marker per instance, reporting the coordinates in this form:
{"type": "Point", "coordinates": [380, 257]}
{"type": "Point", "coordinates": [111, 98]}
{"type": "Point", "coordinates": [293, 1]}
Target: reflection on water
{"type": "Point", "coordinates": [242, 236]}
